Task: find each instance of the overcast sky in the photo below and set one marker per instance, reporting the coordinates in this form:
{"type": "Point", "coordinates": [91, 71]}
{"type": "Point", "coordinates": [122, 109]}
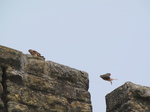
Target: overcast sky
{"type": "Point", "coordinates": [96, 36]}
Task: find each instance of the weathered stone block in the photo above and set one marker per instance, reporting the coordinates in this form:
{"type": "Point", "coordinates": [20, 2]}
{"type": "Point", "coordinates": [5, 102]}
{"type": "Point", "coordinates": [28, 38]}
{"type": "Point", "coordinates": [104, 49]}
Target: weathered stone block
{"type": "Point", "coordinates": [35, 67]}
{"type": "Point", "coordinates": [83, 95]}
{"type": "Point", "coordinates": [15, 76]}
{"type": "Point", "coordinates": [9, 57]}
{"type": "Point", "coordinates": [63, 72]}
{"type": "Point", "coordinates": [17, 107]}
{"type": "Point", "coordinates": [83, 80]}
{"type": "Point", "coordinates": [78, 106]}
{"type": "Point", "coordinates": [41, 84]}
{"type": "Point", "coordinates": [129, 98]}
{"type": "Point", "coordinates": [69, 75]}
{"type": "Point", "coordinates": [55, 103]}
{"type": "Point", "coordinates": [22, 95]}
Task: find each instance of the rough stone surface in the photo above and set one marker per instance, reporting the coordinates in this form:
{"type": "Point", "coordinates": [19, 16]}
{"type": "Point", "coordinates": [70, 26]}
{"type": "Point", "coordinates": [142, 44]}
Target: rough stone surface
{"type": "Point", "coordinates": [129, 98]}
{"type": "Point", "coordinates": [31, 84]}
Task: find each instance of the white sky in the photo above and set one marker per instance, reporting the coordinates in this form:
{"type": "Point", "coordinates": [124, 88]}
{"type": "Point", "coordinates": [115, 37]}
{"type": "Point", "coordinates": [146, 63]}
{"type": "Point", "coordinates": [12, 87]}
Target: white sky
{"type": "Point", "coordinates": [96, 36]}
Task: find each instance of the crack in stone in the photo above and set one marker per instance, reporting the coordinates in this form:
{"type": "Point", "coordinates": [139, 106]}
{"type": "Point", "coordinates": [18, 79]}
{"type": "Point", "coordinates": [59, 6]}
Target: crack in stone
{"type": "Point", "coordinates": [4, 95]}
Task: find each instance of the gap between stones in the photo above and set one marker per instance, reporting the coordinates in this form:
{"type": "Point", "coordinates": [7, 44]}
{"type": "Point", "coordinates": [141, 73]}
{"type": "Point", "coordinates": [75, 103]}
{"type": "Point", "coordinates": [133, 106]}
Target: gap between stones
{"type": "Point", "coordinates": [4, 94]}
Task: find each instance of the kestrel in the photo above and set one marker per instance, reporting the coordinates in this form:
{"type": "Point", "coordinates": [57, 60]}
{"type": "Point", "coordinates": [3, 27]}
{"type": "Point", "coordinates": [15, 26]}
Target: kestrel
{"type": "Point", "coordinates": [35, 53]}
{"type": "Point", "coordinates": [107, 77]}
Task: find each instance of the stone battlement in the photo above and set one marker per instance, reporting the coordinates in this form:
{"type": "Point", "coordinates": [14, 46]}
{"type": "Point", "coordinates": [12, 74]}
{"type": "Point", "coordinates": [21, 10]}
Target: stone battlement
{"type": "Point", "coordinates": [31, 84]}
{"type": "Point", "coordinates": [129, 98]}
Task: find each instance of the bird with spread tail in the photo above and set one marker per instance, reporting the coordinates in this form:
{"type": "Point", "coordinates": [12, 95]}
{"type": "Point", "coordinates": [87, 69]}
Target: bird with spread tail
{"type": "Point", "coordinates": [107, 77]}
{"type": "Point", "coordinates": [35, 53]}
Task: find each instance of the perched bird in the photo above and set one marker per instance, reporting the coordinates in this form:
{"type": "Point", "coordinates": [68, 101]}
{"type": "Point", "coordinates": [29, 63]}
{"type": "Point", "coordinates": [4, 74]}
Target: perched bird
{"type": "Point", "coordinates": [107, 77]}
{"type": "Point", "coordinates": [35, 53]}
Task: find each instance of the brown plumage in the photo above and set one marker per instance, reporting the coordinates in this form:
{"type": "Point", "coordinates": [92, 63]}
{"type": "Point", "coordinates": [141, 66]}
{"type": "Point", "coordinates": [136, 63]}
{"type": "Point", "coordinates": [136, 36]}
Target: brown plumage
{"type": "Point", "coordinates": [107, 77]}
{"type": "Point", "coordinates": [35, 53]}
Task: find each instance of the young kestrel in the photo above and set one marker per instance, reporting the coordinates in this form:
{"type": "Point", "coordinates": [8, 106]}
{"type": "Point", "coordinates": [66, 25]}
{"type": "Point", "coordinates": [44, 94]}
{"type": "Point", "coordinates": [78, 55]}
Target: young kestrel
{"type": "Point", "coordinates": [35, 53]}
{"type": "Point", "coordinates": [107, 77]}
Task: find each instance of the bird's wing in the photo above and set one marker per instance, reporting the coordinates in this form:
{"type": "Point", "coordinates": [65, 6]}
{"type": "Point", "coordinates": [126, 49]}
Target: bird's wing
{"type": "Point", "coordinates": [37, 53]}
{"type": "Point", "coordinates": [105, 76]}
{"type": "Point", "coordinates": [108, 74]}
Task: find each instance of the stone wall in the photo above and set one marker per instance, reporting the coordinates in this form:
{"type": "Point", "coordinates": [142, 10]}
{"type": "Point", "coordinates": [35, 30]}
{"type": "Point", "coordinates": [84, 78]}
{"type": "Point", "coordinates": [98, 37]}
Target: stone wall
{"type": "Point", "coordinates": [129, 98]}
{"type": "Point", "coordinates": [31, 84]}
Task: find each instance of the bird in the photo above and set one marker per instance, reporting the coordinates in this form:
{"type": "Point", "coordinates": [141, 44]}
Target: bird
{"type": "Point", "coordinates": [107, 77]}
{"type": "Point", "coordinates": [35, 53]}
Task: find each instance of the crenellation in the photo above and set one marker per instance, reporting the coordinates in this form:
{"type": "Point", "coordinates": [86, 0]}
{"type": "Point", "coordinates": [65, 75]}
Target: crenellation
{"type": "Point", "coordinates": [129, 97]}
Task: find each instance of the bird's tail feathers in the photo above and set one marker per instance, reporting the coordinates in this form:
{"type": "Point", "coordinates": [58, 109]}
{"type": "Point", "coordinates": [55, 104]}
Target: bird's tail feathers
{"type": "Point", "coordinates": [115, 79]}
